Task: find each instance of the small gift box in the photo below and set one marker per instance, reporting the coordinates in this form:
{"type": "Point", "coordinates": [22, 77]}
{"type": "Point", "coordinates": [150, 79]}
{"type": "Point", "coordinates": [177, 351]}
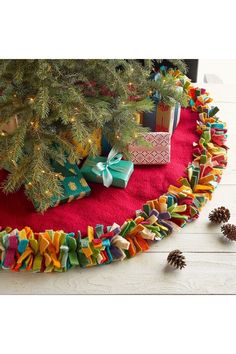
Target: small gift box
{"type": "Point", "coordinates": [109, 170]}
{"type": "Point", "coordinates": [158, 153]}
{"type": "Point", "coordinates": [163, 118]}
{"type": "Point", "coordinates": [167, 118]}
{"type": "Point", "coordinates": [73, 183]}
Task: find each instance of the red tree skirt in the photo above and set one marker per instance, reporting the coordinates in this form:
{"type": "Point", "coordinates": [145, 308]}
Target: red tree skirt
{"type": "Point", "coordinates": [106, 205]}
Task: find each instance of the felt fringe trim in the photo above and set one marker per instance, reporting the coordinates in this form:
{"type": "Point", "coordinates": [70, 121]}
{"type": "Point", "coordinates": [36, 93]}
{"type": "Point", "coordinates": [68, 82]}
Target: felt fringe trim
{"type": "Point", "coordinates": [59, 251]}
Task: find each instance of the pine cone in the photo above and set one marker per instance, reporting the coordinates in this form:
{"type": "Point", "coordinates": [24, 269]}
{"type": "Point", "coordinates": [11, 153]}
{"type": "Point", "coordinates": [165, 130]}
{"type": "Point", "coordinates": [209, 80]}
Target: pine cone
{"type": "Point", "coordinates": [219, 215]}
{"type": "Point", "coordinates": [176, 259]}
{"type": "Point", "coordinates": [229, 231]}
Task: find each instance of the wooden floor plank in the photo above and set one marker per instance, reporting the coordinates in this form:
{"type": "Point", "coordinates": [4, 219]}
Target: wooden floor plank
{"type": "Point", "coordinates": [206, 273]}
{"type": "Point", "coordinates": [199, 243]}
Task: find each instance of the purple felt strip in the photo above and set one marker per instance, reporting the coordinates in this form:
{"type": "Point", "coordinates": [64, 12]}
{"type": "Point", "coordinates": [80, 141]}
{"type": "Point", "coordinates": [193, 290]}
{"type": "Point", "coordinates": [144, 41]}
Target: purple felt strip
{"type": "Point", "coordinates": [165, 215]}
{"type": "Point", "coordinates": [154, 212]}
{"type": "Point", "coordinates": [116, 253]}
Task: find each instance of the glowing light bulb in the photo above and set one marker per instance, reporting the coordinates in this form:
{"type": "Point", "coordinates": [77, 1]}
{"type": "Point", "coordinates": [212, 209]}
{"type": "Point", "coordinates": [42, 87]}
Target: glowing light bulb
{"type": "Point", "coordinates": [3, 134]}
{"type": "Point", "coordinates": [31, 99]}
{"type": "Point", "coordinates": [89, 141]}
{"type": "Point", "coordinates": [43, 171]}
{"type": "Point", "coordinates": [72, 119]}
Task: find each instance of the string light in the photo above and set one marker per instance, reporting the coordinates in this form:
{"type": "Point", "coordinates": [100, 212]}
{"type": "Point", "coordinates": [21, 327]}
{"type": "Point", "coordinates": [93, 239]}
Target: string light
{"type": "Point", "coordinates": [89, 141]}
{"type": "Point", "coordinates": [135, 135]}
{"type": "Point", "coordinates": [72, 119]}
{"type": "Point", "coordinates": [29, 184]}
{"type": "Point", "coordinates": [31, 99]}
{"type": "Point", "coordinates": [123, 102]}
{"type": "Point", "coordinates": [3, 134]}
{"type": "Point", "coordinates": [32, 123]}
{"type": "Point", "coordinates": [43, 171]}
{"type": "Point", "coordinates": [130, 84]}
{"type": "Point", "coordinates": [150, 92]}
{"type": "Point", "coordinates": [47, 192]}
{"type": "Point", "coordinates": [117, 136]}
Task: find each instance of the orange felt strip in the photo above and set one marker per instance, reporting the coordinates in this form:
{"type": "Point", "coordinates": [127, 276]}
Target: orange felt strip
{"type": "Point", "coordinates": [87, 251]}
{"type": "Point", "coordinates": [137, 246]}
{"type": "Point", "coordinates": [56, 241]}
{"type": "Point", "coordinates": [200, 187]}
{"type": "Point", "coordinates": [139, 219]}
{"type": "Point", "coordinates": [30, 263]}
{"type": "Point", "coordinates": [132, 250]}
{"type": "Point", "coordinates": [206, 179]}
{"type": "Point", "coordinates": [156, 205]}
{"type": "Point", "coordinates": [43, 244]}
{"type": "Point", "coordinates": [143, 243]}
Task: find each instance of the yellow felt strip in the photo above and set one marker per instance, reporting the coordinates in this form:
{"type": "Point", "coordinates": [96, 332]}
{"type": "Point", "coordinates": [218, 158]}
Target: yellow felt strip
{"type": "Point", "coordinates": [22, 234]}
{"type": "Point", "coordinates": [24, 255]}
{"type": "Point", "coordinates": [90, 233]}
{"type": "Point", "coordinates": [48, 259]}
{"type": "Point", "coordinates": [135, 230]}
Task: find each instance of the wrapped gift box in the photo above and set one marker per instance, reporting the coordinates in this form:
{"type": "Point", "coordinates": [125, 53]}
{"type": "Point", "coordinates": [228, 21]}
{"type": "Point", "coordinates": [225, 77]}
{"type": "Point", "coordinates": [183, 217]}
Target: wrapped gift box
{"type": "Point", "coordinates": [95, 139]}
{"type": "Point", "coordinates": [158, 153]}
{"type": "Point", "coordinates": [163, 118]}
{"type": "Point", "coordinates": [73, 183]}
{"type": "Point", "coordinates": [167, 118]}
{"type": "Point", "coordinates": [120, 171]}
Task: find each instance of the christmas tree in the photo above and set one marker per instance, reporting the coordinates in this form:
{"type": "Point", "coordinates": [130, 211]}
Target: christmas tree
{"type": "Point", "coordinates": [59, 103]}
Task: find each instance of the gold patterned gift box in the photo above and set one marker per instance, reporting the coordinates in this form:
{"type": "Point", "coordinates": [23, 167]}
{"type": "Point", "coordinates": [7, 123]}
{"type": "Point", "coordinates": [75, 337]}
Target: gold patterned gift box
{"type": "Point", "coordinates": [95, 140]}
{"type": "Point", "coordinates": [73, 182]}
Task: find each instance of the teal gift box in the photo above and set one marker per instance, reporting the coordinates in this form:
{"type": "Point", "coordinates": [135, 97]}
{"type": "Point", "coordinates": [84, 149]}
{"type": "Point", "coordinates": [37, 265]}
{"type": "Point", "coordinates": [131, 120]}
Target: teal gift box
{"type": "Point", "coordinates": [73, 183]}
{"type": "Point", "coordinates": [111, 170]}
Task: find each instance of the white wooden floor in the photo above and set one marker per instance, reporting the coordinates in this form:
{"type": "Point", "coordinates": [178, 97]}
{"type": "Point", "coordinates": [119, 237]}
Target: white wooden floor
{"type": "Point", "coordinates": [211, 263]}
